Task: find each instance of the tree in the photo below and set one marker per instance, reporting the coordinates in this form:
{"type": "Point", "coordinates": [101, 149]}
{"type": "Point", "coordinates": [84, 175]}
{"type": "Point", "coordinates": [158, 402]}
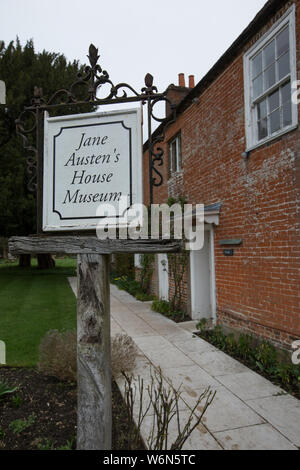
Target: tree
{"type": "Point", "coordinates": [22, 69]}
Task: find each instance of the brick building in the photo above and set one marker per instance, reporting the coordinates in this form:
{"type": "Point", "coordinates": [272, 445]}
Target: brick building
{"type": "Point", "coordinates": [235, 147]}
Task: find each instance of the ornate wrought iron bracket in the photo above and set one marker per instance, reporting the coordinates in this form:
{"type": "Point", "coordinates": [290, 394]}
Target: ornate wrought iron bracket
{"type": "Point", "coordinates": [85, 91]}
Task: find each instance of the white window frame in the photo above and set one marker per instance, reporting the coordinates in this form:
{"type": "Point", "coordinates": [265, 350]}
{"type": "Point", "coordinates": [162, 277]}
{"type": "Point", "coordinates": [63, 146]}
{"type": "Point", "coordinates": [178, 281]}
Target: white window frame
{"type": "Point", "coordinates": [178, 168]}
{"type": "Point", "coordinates": [250, 107]}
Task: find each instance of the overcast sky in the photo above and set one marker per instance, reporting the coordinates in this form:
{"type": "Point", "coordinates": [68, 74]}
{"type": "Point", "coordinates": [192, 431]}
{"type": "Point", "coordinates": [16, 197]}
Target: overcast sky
{"type": "Point", "coordinates": [163, 37]}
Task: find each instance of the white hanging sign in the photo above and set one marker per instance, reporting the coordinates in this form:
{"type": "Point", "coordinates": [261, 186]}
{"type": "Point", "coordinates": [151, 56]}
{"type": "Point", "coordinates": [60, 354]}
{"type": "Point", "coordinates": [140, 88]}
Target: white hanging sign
{"type": "Point", "coordinates": [91, 160]}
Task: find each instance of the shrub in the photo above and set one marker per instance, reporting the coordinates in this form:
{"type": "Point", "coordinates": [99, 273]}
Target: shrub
{"type": "Point", "coordinates": [202, 326]}
{"type": "Point", "coordinates": [165, 308]}
{"type": "Point", "coordinates": [218, 337]}
{"type": "Point", "coordinates": [161, 306]}
{"type": "Point", "coordinates": [266, 357]}
{"type": "Point", "coordinates": [131, 286]}
{"type": "Point", "coordinates": [231, 344]}
{"type": "Point", "coordinates": [123, 354]}
{"type": "Point", "coordinates": [58, 355]}
{"type": "Point", "coordinates": [245, 347]}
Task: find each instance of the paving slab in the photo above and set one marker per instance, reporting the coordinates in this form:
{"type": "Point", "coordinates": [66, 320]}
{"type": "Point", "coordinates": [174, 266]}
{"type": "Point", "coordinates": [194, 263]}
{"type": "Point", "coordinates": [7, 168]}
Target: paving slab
{"type": "Point", "coordinates": [200, 438]}
{"type": "Point", "coordinates": [261, 437]}
{"type": "Point", "coordinates": [226, 412]}
{"type": "Point", "coordinates": [169, 356]}
{"type": "Point", "coordinates": [192, 345]}
{"type": "Point", "coordinates": [153, 343]}
{"type": "Point", "coordinates": [190, 326]}
{"type": "Point", "coordinates": [249, 385]}
{"type": "Point", "coordinates": [217, 363]}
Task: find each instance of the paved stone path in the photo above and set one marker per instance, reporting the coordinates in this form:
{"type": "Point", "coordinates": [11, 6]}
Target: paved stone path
{"type": "Point", "coordinates": [248, 412]}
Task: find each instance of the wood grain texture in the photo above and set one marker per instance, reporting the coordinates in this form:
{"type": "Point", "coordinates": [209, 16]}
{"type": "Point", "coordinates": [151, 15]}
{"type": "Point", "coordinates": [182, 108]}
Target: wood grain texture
{"type": "Point", "coordinates": [93, 353]}
{"type": "Point", "coordinates": [89, 245]}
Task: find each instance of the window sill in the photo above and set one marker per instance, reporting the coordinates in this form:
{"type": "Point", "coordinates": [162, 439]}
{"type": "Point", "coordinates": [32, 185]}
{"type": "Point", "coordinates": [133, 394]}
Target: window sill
{"type": "Point", "coordinates": [273, 137]}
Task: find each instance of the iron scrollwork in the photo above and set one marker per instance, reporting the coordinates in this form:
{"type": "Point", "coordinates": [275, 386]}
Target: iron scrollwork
{"type": "Point", "coordinates": [84, 92]}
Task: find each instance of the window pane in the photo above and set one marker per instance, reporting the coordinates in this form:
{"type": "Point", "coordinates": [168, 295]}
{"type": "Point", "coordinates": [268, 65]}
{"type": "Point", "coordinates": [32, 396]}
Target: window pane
{"type": "Point", "coordinates": [270, 77]}
{"type": "Point", "coordinates": [274, 101]}
{"type": "Point", "coordinates": [283, 42]}
{"type": "Point", "coordinates": [275, 121]}
{"type": "Point", "coordinates": [258, 86]}
{"type": "Point", "coordinates": [284, 65]}
{"type": "Point", "coordinates": [269, 54]}
{"type": "Point", "coordinates": [286, 93]}
{"type": "Point", "coordinates": [262, 129]}
{"type": "Point", "coordinates": [287, 114]}
{"type": "Point", "coordinates": [257, 65]}
{"type": "Point", "coordinates": [262, 109]}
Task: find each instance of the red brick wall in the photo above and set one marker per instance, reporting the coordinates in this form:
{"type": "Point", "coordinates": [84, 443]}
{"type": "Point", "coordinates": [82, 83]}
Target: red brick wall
{"type": "Point", "coordinates": [257, 289]}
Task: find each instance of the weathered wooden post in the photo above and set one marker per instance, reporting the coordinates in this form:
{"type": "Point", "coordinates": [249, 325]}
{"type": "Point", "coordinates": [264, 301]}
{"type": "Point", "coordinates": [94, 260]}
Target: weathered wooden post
{"type": "Point", "coordinates": [93, 353]}
{"type": "Point", "coordinates": [93, 321]}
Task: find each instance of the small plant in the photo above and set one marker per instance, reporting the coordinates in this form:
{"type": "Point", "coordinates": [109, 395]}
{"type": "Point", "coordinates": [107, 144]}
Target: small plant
{"type": "Point", "coordinates": [2, 433]}
{"type": "Point", "coordinates": [245, 347]}
{"type": "Point", "coordinates": [46, 444]}
{"type": "Point", "coordinates": [266, 357]}
{"type": "Point", "coordinates": [58, 355]}
{"type": "Point", "coordinates": [230, 344]}
{"type": "Point", "coordinates": [123, 354]}
{"type": "Point", "coordinates": [68, 446]}
{"type": "Point", "coordinates": [144, 297]}
{"type": "Point", "coordinates": [218, 337]}
{"type": "Point", "coordinates": [131, 286]}
{"type": "Point", "coordinates": [16, 401]}
{"type": "Point", "coordinates": [202, 325]}
{"type": "Point", "coordinates": [164, 307]}
{"type": "Point", "coordinates": [5, 389]}
{"type": "Point", "coordinates": [19, 425]}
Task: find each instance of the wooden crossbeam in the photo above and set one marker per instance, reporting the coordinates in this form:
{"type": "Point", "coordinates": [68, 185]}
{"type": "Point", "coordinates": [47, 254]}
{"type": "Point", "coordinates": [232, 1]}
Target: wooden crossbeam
{"type": "Point", "coordinates": [90, 245]}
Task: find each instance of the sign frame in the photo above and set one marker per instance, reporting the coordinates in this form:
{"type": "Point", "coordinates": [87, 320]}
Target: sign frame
{"type": "Point", "coordinates": [119, 124]}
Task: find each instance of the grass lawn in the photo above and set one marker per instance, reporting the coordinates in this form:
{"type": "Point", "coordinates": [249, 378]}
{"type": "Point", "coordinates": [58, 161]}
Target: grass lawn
{"type": "Point", "coordinates": [33, 302]}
